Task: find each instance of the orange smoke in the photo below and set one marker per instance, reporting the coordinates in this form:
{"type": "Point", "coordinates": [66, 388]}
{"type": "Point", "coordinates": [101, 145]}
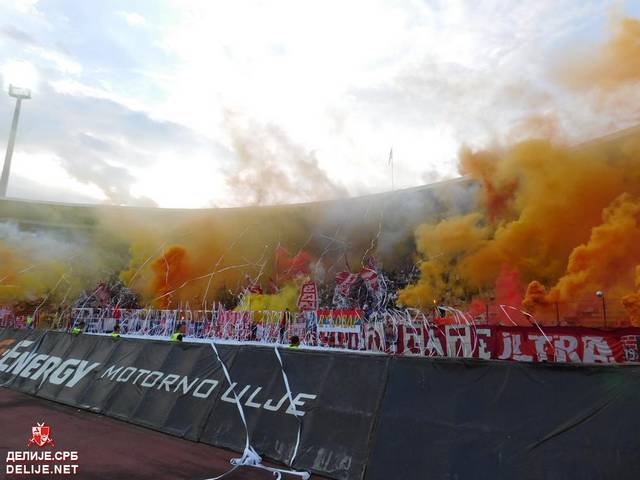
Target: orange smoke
{"type": "Point", "coordinates": [566, 218]}
{"type": "Point", "coordinates": [615, 64]}
{"type": "Point", "coordinates": [172, 271]}
{"type": "Point", "coordinates": [631, 302]}
{"type": "Point", "coordinates": [607, 261]}
{"type": "Point", "coordinates": [536, 297]}
{"type": "Point", "coordinates": [509, 287]}
{"type": "Point", "coordinates": [497, 193]}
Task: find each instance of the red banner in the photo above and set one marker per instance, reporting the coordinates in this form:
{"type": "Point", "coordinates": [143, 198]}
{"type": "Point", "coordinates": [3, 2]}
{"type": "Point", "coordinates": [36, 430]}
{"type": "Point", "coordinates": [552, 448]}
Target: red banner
{"type": "Point", "coordinates": [524, 344]}
{"type": "Point", "coordinates": [344, 282]}
{"type": "Point", "coordinates": [308, 299]}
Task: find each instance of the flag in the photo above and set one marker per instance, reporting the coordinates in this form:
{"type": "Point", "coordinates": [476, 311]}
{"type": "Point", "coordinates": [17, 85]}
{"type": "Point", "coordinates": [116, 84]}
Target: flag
{"type": "Point", "coordinates": [102, 293]}
{"type": "Point", "coordinates": [370, 277]}
{"type": "Point", "coordinates": [253, 286]}
{"type": "Point", "coordinates": [391, 156]}
{"type": "Point", "coordinates": [344, 282]}
{"type": "Point", "coordinates": [308, 299]}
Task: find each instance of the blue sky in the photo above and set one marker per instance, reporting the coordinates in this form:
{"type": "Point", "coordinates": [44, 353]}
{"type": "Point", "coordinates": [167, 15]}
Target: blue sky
{"type": "Point", "coordinates": [184, 103]}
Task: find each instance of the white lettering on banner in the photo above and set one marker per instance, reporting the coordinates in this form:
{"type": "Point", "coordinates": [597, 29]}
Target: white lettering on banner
{"type": "Point", "coordinates": [434, 345]}
{"type": "Point", "coordinates": [565, 347]}
{"type": "Point", "coordinates": [81, 372]}
{"type": "Point", "coordinates": [141, 372]}
{"type": "Point", "coordinates": [506, 347]}
{"type": "Point", "coordinates": [517, 349]}
{"type": "Point", "coordinates": [13, 353]}
{"type": "Point", "coordinates": [168, 381]}
{"type": "Point", "coordinates": [540, 341]}
{"type": "Point", "coordinates": [69, 372]}
{"type": "Point", "coordinates": [111, 372]}
{"type": "Point", "coordinates": [597, 350]}
{"type": "Point", "coordinates": [35, 363]}
{"type": "Point", "coordinates": [269, 406]}
{"type": "Point", "coordinates": [453, 338]}
{"type": "Point", "coordinates": [299, 402]}
{"type": "Point", "coordinates": [22, 361]}
{"type": "Point", "coordinates": [150, 384]}
{"type": "Point", "coordinates": [63, 372]}
{"type": "Point", "coordinates": [184, 383]}
{"type": "Point", "coordinates": [483, 334]}
{"type": "Point", "coordinates": [47, 367]}
{"type": "Point", "coordinates": [226, 398]}
{"type": "Point", "coordinates": [197, 393]}
{"type": "Point", "coordinates": [250, 402]}
{"type": "Point", "coordinates": [126, 374]}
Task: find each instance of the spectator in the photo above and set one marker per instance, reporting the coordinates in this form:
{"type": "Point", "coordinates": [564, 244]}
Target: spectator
{"type": "Point", "coordinates": [116, 331]}
{"type": "Point", "coordinates": [294, 342]}
{"type": "Point", "coordinates": [78, 329]}
{"type": "Point", "coordinates": [284, 323]}
{"type": "Point", "coordinates": [177, 333]}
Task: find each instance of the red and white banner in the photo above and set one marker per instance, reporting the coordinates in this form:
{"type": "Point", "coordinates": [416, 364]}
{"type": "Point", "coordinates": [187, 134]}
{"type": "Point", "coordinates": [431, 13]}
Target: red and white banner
{"type": "Point", "coordinates": [308, 299]}
{"type": "Point", "coordinates": [340, 328]}
{"type": "Point", "coordinates": [370, 276]}
{"type": "Point", "coordinates": [524, 344]}
{"type": "Point", "coordinates": [344, 282]}
{"type": "Point", "coordinates": [233, 325]}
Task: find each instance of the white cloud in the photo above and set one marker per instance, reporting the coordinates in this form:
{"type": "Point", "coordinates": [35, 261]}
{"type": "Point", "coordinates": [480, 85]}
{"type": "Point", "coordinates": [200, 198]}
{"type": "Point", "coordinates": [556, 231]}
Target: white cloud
{"type": "Point", "coordinates": [45, 169]}
{"type": "Point", "coordinates": [342, 80]}
{"type": "Point", "coordinates": [24, 6]}
{"type": "Point", "coordinates": [63, 63]}
{"type": "Point", "coordinates": [132, 18]}
{"type": "Point", "coordinates": [20, 73]}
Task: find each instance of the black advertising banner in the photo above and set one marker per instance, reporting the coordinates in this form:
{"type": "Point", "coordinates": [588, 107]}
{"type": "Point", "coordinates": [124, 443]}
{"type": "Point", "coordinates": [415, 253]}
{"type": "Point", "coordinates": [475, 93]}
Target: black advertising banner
{"type": "Point", "coordinates": [257, 380]}
{"type": "Point", "coordinates": [496, 420]}
{"type": "Point", "coordinates": [368, 417]}
{"type": "Point", "coordinates": [57, 346]}
{"type": "Point", "coordinates": [31, 365]}
{"type": "Point", "coordinates": [333, 396]}
{"type": "Point", "coordinates": [18, 348]}
{"type": "Point", "coordinates": [183, 399]}
{"type": "Point", "coordinates": [93, 352]}
{"type": "Point", "coordinates": [338, 425]}
{"type": "Point", "coordinates": [103, 385]}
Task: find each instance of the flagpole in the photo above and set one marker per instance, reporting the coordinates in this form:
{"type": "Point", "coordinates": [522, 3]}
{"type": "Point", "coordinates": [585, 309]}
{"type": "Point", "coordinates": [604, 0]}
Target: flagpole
{"type": "Point", "coordinates": [392, 182]}
{"type": "Point", "coordinates": [391, 165]}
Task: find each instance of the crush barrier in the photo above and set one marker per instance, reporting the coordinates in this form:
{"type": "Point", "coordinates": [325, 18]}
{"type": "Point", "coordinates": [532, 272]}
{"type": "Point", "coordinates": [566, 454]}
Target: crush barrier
{"type": "Point", "coordinates": [363, 416]}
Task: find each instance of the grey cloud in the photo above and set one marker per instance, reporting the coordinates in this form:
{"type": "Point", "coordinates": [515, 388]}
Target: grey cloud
{"type": "Point", "coordinates": [468, 101]}
{"type": "Point", "coordinates": [271, 168]}
{"type": "Point", "coordinates": [21, 187]}
{"type": "Point", "coordinates": [17, 35]}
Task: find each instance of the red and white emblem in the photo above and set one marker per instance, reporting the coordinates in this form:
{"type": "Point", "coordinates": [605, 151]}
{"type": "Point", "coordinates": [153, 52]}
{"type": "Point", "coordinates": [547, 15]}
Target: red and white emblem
{"type": "Point", "coordinates": [41, 435]}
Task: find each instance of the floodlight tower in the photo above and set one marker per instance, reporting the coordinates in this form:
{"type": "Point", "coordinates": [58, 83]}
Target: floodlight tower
{"type": "Point", "coordinates": [19, 94]}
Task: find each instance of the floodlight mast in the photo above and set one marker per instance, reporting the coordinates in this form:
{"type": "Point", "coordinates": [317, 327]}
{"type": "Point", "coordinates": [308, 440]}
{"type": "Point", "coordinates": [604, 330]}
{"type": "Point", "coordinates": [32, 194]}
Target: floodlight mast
{"type": "Point", "coordinates": [19, 94]}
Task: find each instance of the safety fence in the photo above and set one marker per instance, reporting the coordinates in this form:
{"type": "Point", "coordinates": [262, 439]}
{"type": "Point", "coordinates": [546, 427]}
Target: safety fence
{"type": "Point", "coordinates": [346, 416]}
{"type": "Point", "coordinates": [396, 332]}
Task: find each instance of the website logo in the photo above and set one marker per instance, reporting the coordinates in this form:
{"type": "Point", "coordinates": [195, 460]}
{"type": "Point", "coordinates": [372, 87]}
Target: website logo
{"type": "Point", "coordinates": [41, 436]}
{"type": "Point", "coordinates": [41, 461]}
